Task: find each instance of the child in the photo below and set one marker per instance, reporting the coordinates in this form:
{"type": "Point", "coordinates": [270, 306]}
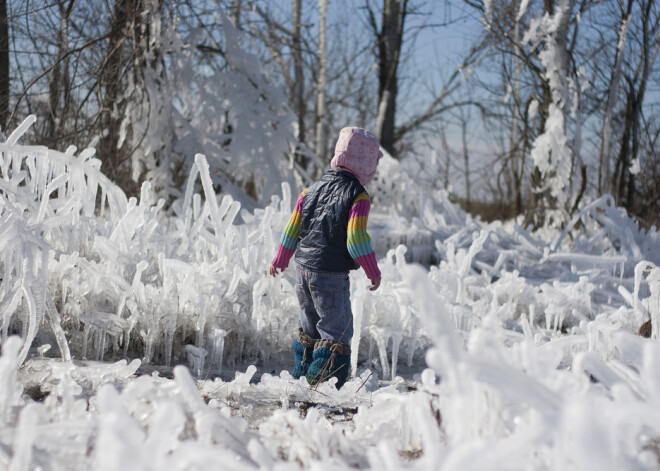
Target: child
{"type": "Point", "coordinates": [328, 233]}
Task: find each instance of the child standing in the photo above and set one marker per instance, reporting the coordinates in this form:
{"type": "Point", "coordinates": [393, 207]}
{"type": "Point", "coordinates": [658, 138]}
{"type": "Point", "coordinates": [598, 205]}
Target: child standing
{"type": "Point", "coordinates": [328, 233]}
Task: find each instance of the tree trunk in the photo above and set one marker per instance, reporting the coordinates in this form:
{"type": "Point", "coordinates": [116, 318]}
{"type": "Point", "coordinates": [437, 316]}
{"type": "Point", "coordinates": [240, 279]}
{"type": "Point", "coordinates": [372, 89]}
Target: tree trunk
{"type": "Point", "coordinates": [298, 90]}
{"type": "Point", "coordinates": [59, 85]}
{"type": "Point", "coordinates": [604, 174]}
{"type": "Point", "coordinates": [514, 144]}
{"type": "Point", "coordinates": [4, 66]}
{"type": "Point", "coordinates": [321, 147]}
{"type": "Point", "coordinates": [623, 164]}
{"type": "Point", "coordinates": [390, 39]}
{"type": "Point", "coordinates": [111, 81]}
{"type": "Point", "coordinates": [447, 151]}
{"type": "Point", "coordinates": [236, 13]}
{"type": "Point", "coordinates": [466, 163]}
{"type": "Point", "coordinates": [550, 177]}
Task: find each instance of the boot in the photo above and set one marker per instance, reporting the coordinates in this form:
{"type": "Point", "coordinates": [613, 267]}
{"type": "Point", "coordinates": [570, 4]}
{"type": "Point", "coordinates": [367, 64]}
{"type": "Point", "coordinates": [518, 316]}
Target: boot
{"type": "Point", "coordinates": [331, 358]}
{"type": "Point", "coordinates": [303, 349]}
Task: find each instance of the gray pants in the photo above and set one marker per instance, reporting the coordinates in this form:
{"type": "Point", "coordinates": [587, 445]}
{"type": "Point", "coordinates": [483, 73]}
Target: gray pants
{"type": "Point", "coordinates": [325, 304]}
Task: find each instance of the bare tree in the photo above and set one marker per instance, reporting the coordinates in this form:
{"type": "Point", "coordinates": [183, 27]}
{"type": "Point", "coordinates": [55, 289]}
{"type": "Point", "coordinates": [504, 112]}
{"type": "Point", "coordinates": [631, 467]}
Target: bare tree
{"type": "Point", "coordinates": [84, 76]}
{"type": "Point", "coordinates": [46, 84]}
{"type": "Point", "coordinates": [636, 74]}
{"type": "Point", "coordinates": [331, 68]}
{"type": "Point", "coordinates": [516, 104]}
{"type": "Point", "coordinates": [534, 44]}
{"type": "Point", "coordinates": [76, 70]}
{"type": "Point", "coordinates": [446, 97]}
{"type": "Point", "coordinates": [648, 181]}
{"type": "Point", "coordinates": [285, 41]}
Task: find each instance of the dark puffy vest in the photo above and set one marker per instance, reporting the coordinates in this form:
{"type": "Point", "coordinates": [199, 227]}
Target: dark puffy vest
{"type": "Point", "coordinates": [324, 222]}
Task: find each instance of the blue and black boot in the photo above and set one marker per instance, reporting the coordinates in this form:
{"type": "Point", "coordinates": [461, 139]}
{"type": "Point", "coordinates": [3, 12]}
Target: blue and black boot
{"type": "Point", "coordinates": [330, 359]}
{"type": "Point", "coordinates": [303, 349]}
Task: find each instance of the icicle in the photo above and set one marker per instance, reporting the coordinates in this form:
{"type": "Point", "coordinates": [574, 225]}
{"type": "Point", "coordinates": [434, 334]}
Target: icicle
{"type": "Point", "coordinates": [104, 199]}
{"type": "Point", "coordinates": [99, 344]}
{"type": "Point", "coordinates": [410, 349]}
{"type": "Point", "coordinates": [358, 315]}
{"type": "Point", "coordinates": [217, 347]}
{"type": "Point", "coordinates": [240, 343]}
{"type": "Point", "coordinates": [396, 342]}
{"type": "Point", "coordinates": [149, 338]}
{"type": "Point", "coordinates": [372, 345]}
{"type": "Point", "coordinates": [201, 320]}
{"type": "Point", "coordinates": [31, 321]}
{"type": "Point", "coordinates": [127, 335]}
{"type": "Point", "coordinates": [168, 342]}
{"type": "Point", "coordinates": [196, 358]}
{"type": "Point", "coordinates": [381, 337]}
{"type": "Point", "coordinates": [86, 332]}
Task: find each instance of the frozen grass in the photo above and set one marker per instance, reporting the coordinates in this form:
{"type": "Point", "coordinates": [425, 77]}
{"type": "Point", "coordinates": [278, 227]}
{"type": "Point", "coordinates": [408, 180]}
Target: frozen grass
{"type": "Point", "coordinates": [529, 338]}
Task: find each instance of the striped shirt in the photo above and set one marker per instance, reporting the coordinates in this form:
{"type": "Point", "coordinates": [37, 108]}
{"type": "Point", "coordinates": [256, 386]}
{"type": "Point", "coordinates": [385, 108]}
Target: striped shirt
{"type": "Point", "coordinates": [358, 241]}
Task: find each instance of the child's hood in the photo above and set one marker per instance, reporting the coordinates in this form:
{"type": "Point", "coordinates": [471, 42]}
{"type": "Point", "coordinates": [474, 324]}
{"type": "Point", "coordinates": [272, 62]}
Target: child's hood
{"type": "Point", "coordinates": [358, 151]}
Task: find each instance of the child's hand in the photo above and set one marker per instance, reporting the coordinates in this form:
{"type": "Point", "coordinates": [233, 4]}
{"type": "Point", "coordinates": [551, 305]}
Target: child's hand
{"type": "Point", "coordinates": [273, 271]}
{"type": "Point", "coordinates": [375, 283]}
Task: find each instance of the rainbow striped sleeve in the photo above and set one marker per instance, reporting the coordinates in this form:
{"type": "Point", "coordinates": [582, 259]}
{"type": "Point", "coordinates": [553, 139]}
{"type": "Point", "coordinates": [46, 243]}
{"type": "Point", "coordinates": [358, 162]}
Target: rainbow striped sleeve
{"type": "Point", "coordinates": [289, 239]}
{"type": "Point", "coordinates": [359, 242]}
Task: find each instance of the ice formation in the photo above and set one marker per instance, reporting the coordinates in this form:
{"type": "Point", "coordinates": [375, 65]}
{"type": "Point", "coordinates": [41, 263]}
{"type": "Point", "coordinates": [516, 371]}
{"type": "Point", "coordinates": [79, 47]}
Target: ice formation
{"type": "Point", "coordinates": [509, 349]}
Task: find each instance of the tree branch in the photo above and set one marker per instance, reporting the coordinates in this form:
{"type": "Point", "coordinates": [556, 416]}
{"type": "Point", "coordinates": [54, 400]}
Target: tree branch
{"type": "Point", "coordinates": [49, 69]}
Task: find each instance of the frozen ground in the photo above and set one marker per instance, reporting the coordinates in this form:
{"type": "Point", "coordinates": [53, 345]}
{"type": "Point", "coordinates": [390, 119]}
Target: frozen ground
{"type": "Point", "coordinates": [129, 334]}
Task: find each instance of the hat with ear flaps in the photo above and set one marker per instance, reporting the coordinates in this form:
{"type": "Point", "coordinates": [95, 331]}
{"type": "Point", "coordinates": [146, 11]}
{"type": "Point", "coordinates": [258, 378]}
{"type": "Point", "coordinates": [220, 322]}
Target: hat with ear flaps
{"type": "Point", "coordinates": [357, 151]}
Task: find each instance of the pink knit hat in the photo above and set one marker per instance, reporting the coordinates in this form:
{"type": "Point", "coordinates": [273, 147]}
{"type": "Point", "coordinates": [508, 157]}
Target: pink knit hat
{"type": "Point", "coordinates": [357, 150]}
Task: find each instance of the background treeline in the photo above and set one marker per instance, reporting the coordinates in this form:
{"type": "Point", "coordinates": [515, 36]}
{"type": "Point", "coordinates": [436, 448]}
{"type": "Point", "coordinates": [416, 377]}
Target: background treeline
{"type": "Point", "coordinates": [540, 106]}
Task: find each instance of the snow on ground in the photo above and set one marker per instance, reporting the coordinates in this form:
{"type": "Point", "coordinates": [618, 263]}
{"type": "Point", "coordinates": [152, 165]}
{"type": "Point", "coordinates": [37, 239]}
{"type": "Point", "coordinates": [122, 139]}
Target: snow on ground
{"type": "Point", "coordinates": [134, 338]}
